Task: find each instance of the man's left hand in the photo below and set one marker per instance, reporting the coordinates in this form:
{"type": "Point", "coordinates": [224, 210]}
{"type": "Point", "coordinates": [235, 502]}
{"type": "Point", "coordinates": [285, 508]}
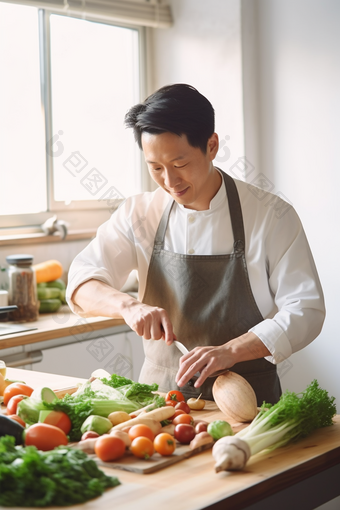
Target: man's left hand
{"type": "Point", "coordinates": [206, 360]}
{"type": "Point", "coordinates": [210, 359]}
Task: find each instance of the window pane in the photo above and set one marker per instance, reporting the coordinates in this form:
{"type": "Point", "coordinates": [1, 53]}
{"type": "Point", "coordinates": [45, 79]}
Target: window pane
{"type": "Point", "coordinates": [22, 147]}
{"type": "Point", "coordinates": [94, 73]}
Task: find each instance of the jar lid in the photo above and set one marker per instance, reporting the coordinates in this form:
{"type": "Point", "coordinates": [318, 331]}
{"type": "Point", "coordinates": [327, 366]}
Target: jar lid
{"type": "Point", "coordinates": [19, 259]}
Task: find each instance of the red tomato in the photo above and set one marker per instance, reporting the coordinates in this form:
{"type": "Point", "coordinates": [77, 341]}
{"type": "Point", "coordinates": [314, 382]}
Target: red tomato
{"type": "Point", "coordinates": [59, 419]}
{"type": "Point", "coordinates": [172, 403]}
{"type": "Point", "coordinates": [16, 389]}
{"type": "Point", "coordinates": [184, 433]}
{"type": "Point", "coordinates": [18, 419]}
{"type": "Point", "coordinates": [109, 448]}
{"type": "Point", "coordinates": [90, 434]}
{"type": "Point", "coordinates": [142, 447]}
{"type": "Point", "coordinates": [45, 437]}
{"type": "Point", "coordinates": [183, 418]}
{"type": "Point", "coordinates": [177, 413]}
{"type": "Point", "coordinates": [201, 427]}
{"type": "Point", "coordinates": [164, 444]}
{"type": "Point", "coordinates": [175, 395]}
{"type": "Point", "coordinates": [183, 406]}
{"type": "Point", "coordinates": [13, 403]}
{"type": "Point", "coordinates": [141, 430]}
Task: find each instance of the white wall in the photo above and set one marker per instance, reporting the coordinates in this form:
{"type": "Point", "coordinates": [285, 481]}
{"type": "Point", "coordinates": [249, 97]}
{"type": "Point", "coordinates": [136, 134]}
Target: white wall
{"type": "Point", "coordinates": [203, 49]}
{"type": "Point", "coordinates": [296, 109]}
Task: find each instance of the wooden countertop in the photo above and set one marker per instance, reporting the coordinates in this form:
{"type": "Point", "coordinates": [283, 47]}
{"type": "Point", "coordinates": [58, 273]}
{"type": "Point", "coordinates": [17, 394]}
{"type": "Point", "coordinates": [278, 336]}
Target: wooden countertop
{"type": "Point", "coordinates": [192, 483]}
{"type": "Point", "coordinates": [57, 325]}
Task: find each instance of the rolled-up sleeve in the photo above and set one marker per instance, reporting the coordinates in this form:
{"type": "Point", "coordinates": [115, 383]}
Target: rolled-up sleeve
{"type": "Point", "coordinates": [296, 289]}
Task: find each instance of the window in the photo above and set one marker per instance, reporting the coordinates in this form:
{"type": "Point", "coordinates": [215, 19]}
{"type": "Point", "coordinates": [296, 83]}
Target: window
{"type": "Point", "coordinates": [65, 88]}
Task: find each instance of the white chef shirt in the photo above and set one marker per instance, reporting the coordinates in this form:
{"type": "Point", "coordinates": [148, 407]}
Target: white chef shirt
{"type": "Point", "coordinates": [281, 269]}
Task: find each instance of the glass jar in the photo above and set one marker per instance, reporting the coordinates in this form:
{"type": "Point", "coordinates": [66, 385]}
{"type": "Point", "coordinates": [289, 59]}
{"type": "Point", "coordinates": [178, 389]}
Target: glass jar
{"type": "Point", "coordinates": [22, 290]}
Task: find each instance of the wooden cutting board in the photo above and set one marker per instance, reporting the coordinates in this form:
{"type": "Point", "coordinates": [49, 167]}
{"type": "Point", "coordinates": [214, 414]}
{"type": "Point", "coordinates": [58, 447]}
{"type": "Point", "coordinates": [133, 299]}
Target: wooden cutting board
{"type": "Point", "coordinates": [131, 463]}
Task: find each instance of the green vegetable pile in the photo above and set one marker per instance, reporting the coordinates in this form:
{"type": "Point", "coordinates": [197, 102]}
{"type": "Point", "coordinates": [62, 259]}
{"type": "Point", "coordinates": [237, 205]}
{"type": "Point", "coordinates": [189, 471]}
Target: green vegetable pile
{"type": "Point", "coordinates": [139, 393]}
{"type": "Point", "coordinates": [100, 397]}
{"type": "Point", "coordinates": [61, 477]}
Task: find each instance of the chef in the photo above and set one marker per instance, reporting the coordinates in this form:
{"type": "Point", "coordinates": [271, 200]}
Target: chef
{"type": "Point", "coordinates": [219, 268]}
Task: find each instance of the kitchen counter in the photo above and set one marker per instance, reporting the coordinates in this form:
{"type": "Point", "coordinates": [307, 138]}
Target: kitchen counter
{"type": "Point", "coordinates": [55, 330]}
{"type": "Point", "coordinates": [301, 476]}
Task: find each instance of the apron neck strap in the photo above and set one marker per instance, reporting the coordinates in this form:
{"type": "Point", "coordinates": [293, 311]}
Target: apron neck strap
{"type": "Point", "coordinates": [163, 224]}
{"type": "Point", "coordinates": [235, 211]}
{"type": "Point", "coordinates": [235, 217]}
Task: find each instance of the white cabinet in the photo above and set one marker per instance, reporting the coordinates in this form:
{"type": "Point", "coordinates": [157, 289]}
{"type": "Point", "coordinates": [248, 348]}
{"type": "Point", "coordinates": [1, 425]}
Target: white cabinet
{"type": "Point", "coordinates": [121, 354]}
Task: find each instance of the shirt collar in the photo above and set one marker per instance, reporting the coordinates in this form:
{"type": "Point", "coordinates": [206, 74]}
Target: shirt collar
{"type": "Point", "coordinates": [215, 202]}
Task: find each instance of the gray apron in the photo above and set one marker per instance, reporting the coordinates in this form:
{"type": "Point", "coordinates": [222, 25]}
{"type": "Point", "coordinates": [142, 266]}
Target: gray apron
{"type": "Point", "coordinates": [209, 301]}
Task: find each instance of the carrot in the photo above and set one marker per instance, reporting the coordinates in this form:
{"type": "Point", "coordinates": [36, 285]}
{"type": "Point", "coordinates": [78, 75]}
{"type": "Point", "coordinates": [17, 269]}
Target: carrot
{"type": "Point", "coordinates": [48, 271]}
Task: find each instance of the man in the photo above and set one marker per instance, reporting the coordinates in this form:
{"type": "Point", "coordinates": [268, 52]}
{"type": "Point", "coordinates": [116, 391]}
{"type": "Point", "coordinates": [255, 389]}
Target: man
{"type": "Point", "coordinates": [218, 269]}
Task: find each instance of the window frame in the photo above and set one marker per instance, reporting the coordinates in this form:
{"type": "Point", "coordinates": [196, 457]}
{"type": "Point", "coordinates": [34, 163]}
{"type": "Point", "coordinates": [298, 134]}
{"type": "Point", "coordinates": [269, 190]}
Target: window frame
{"type": "Point", "coordinates": [92, 213]}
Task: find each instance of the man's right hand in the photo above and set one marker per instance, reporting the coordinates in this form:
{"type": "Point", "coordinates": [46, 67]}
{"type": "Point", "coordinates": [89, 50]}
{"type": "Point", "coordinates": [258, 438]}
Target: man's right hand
{"type": "Point", "coordinates": [148, 321]}
{"type": "Point", "coordinates": [96, 298]}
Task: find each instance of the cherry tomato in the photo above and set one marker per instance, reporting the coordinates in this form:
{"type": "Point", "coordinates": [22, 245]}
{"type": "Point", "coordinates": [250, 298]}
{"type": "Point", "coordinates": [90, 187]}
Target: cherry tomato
{"type": "Point", "coordinates": [18, 419]}
{"type": "Point", "coordinates": [183, 406]}
{"type": "Point", "coordinates": [142, 447]}
{"type": "Point", "coordinates": [172, 403]}
{"type": "Point", "coordinates": [177, 413]}
{"type": "Point", "coordinates": [184, 433]}
{"type": "Point", "coordinates": [13, 403]}
{"type": "Point", "coordinates": [109, 448]}
{"type": "Point", "coordinates": [175, 395]}
{"type": "Point", "coordinates": [44, 437]}
{"type": "Point", "coordinates": [89, 434]}
{"type": "Point", "coordinates": [201, 427]}
{"type": "Point", "coordinates": [16, 389]}
{"type": "Point", "coordinates": [164, 444]}
{"type": "Point", "coordinates": [59, 419]}
{"type": "Point", "coordinates": [141, 430]}
{"type": "Point", "coordinates": [183, 418]}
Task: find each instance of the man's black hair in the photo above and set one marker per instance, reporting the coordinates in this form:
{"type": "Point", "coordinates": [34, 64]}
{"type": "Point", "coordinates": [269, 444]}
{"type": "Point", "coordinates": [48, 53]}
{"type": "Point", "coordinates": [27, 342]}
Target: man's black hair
{"type": "Point", "coordinates": [178, 109]}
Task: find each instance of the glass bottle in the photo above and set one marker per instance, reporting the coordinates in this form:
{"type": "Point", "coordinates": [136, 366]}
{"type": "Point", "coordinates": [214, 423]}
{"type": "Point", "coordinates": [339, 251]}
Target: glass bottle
{"type": "Point", "coordinates": [22, 290]}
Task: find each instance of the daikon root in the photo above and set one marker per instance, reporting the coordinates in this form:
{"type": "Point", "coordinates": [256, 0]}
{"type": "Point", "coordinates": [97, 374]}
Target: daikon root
{"type": "Point", "coordinates": [230, 454]}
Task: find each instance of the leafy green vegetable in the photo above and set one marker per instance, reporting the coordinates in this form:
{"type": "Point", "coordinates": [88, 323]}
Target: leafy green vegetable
{"type": "Point", "coordinates": [116, 381]}
{"type": "Point", "coordinates": [158, 402]}
{"type": "Point", "coordinates": [78, 407]}
{"type": "Point", "coordinates": [99, 397]}
{"type": "Point", "coordinates": [293, 417]}
{"type": "Point", "coordinates": [61, 477]}
{"type": "Point", "coordinates": [139, 393]}
{"type": "Point", "coordinates": [219, 428]}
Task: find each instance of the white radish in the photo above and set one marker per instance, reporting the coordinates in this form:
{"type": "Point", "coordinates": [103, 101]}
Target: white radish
{"type": "Point", "coordinates": [123, 436]}
{"type": "Point", "coordinates": [160, 414]}
{"type": "Point", "coordinates": [169, 429]}
{"type": "Point", "coordinates": [230, 453]}
{"type": "Point", "coordinates": [87, 445]}
{"type": "Point", "coordinates": [154, 425]}
{"type": "Point", "coordinates": [142, 410]}
{"type": "Point", "coordinates": [196, 403]}
{"type": "Point", "coordinates": [201, 439]}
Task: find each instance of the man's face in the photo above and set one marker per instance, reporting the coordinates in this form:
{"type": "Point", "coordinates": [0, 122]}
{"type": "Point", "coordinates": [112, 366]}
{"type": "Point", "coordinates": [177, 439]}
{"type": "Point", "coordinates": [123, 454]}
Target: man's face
{"type": "Point", "coordinates": [181, 170]}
